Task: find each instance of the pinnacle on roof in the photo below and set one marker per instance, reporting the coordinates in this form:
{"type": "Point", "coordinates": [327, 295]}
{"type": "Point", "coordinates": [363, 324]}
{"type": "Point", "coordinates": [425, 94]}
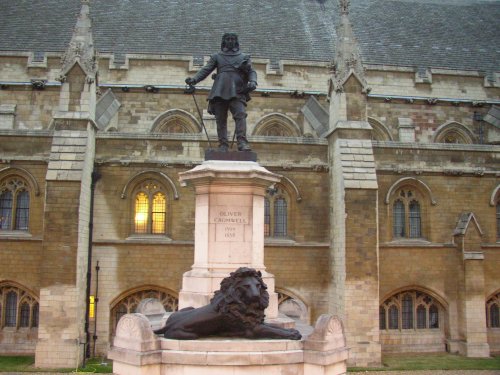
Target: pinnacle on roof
{"type": "Point", "coordinates": [81, 47]}
{"type": "Point", "coordinates": [347, 59]}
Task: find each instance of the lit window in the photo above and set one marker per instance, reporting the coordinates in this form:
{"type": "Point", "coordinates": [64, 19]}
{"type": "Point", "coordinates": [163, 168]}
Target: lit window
{"type": "Point", "coordinates": [14, 204]}
{"type": "Point", "coordinates": [141, 213]}
{"type": "Point", "coordinates": [276, 213]}
{"type": "Point", "coordinates": [158, 213]}
{"type": "Point", "coordinates": [406, 216]}
{"type": "Point", "coordinates": [150, 209]}
{"type": "Point", "coordinates": [414, 309]}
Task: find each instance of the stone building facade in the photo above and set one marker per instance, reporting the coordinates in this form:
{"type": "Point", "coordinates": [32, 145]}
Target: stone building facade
{"type": "Point", "coordinates": [387, 214]}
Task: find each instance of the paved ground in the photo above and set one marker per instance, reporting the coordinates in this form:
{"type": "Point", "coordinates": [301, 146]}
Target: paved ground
{"type": "Point", "coordinates": [423, 372]}
{"type": "Point", "coordinates": [431, 372]}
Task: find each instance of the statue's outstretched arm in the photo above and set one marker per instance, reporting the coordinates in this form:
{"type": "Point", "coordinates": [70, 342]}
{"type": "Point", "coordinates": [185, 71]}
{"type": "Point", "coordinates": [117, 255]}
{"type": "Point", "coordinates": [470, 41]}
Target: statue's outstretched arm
{"type": "Point", "coordinates": [205, 71]}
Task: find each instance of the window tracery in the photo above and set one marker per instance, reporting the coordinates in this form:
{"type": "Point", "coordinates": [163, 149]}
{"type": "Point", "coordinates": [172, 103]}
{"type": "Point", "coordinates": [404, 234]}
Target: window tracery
{"type": "Point", "coordinates": [454, 132]}
{"type": "Point", "coordinates": [406, 214]}
{"type": "Point", "coordinates": [276, 212]}
{"type": "Point", "coordinates": [175, 121]}
{"type": "Point", "coordinates": [150, 208]}
{"type": "Point", "coordinates": [408, 310]}
{"type": "Point", "coordinates": [129, 303]}
{"type": "Point", "coordinates": [293, 307]}
{"type": "Point", "coordinates": [498, 219]}
{"type": "Point", "coordinates": [493, 311]}
{"type": "Point", "coordinates": [14, 204]}
{"type": "Point", "coordinates": [18, 309]}
{"type": "Point", "coordinates": [277, 125]}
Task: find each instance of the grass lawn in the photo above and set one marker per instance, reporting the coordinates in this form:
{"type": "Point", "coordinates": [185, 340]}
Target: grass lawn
{"type": "Point", "coordinates": [26, 364]}
{"type": "Point", "coordinates": [390, 362]}
{"type": "Point", "coordinates": [432, 361]}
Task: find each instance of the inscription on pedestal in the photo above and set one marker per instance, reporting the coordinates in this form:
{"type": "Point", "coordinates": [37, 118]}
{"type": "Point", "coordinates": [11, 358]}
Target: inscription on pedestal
{"type": "Point", "coordinates": [229, 223]}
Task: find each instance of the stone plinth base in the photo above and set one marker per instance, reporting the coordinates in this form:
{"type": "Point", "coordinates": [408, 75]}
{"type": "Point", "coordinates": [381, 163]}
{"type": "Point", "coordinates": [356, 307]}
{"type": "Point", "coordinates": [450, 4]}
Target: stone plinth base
{"type": "Point", "coordinates": [479, 350]}
{"type": "Point", "coordinates": [214, 154]}
{"type": "Point", "coordinates": [137, 350]}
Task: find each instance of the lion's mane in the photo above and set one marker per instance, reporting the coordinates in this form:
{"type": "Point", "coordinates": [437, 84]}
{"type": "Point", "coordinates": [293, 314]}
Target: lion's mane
{"type": "Point", "coordinates": [227, 300]}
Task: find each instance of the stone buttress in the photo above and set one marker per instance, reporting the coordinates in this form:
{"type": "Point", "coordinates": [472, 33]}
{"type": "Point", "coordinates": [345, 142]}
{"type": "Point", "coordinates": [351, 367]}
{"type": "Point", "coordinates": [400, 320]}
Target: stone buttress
{"type": "Point", "coordinates": [63, 273]}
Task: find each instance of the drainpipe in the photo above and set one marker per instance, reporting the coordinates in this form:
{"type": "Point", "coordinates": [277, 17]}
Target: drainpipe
{"type": "Point", "coordinates": [86, 348]}
{"type": "Point", "coordinates": [96, 301]}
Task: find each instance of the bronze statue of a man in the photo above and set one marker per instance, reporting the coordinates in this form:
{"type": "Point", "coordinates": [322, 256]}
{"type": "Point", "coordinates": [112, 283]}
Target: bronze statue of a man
{"type": "Point", "coordinates": [234, 80]}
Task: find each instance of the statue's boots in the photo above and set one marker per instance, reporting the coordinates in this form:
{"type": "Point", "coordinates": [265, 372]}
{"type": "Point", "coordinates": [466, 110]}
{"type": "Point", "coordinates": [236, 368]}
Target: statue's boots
{"type": "Point", "coordinates": [243, 145]}
{"type": "Point", "coordinates": [223, 147]}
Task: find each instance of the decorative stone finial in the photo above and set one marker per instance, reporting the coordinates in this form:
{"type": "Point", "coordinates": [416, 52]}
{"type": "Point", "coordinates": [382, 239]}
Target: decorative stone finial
{"type": "Point", "coordinates": [344, 7]}
{"type": "Point", "coordinates": [81, 47]}
{"type": "Point", "coordinates": [347, 55]}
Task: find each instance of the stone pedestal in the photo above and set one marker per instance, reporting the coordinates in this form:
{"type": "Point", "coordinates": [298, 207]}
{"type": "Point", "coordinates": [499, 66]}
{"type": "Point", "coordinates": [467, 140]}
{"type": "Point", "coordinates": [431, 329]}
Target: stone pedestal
{"type": "Point", "coordinates": [229, 227]}
{"type": "Point", "coordinates": [137, 351]}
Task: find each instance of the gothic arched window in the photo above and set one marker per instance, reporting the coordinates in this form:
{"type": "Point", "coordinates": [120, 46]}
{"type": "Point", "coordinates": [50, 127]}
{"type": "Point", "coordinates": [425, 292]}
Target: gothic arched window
{"type": "Point", "coordinates": [411, 309]}
{"type": "Point", "coordinates": [406, 214]}
{"type": "Point", "coordinates": [128, 303]}
{"type": "Point", "coordinates": [14, 204]}
{"type": "Point", "coordinates": [18, 308]}
{"type": "Point", "coordinates": [498, 219]}
{"type": "Point", "coordinates": [150, 208]}
{"type": "Point", "coordinates": [277, 125]}
{"type": "Point", "coordinates": [276, 212]}
{"type": "Point", "coordinates": [492, 311]}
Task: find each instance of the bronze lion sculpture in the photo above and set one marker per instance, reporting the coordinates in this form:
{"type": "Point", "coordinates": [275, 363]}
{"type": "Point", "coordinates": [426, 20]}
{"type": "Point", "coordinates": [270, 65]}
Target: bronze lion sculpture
{"type": "Point", "coordinates": [236, 310]}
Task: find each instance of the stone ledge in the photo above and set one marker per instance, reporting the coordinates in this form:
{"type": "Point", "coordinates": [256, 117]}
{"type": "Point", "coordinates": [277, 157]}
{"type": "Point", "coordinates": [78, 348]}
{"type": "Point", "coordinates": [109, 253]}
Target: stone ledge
{"type": "Point", "coordinates": [134, 357]}
{"type": "Point", "coordinates": [230, 345]}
